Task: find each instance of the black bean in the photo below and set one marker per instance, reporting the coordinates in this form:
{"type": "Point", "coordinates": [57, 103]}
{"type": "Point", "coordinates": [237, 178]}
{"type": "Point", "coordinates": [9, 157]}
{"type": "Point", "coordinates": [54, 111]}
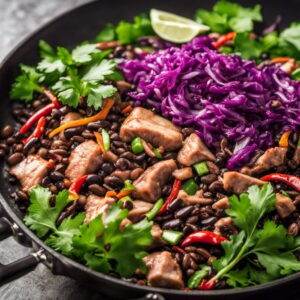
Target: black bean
{"type": "Point", "coordinates": [177, 203]}
{"type": "Point", "coordinates": [2, 153]}
{"type": "Point", "coordinates": [172, 224]}
{"type": "Point", "coordinates": [88, 135]}
{"type": "Point", "coordinates": [46, 143]}
{"type": "Point", "coordinates": [60, 185]}
{"type": "Point", "coordinates": [184, 212]}
{"type": "Point", "coordinates": [7, 131]}
{"type": "Point", "coordinates": [107, 168]}
{"type": "Point", "coordinates": [93, 178]}
{"type": "Point", "coordinates": [15, 158]}
{"type": "Point", "coordinates": [128, 155]}
{"type": "Point", "coordinates": [209, 221]}
{"type": "Point", "coordinates": [118, 144]}
{"type": "Point", "coordinates": [127, 204]}
{"type": "Point", "coordinates": [190, 272]}
{"type": "Point", "coordinates": [97, 190]}
{"type": "Point", "coordinates": [188, 228]}
{"type": "Point", "coordinates": [60, 168]}
{"type": "Point", "coordinates": [64, 110]}
{"type": "Point", "coordinates": [166, 190]}
{"type": "Point", "coordinates": [208, 179]}
{"type": "Point", "coordinates": [216, 186]}
{"type": "Point", "coordinates": [18, 148]}
{"type": "Point", "coordinates": [3, 146]}
{"type": "Point", "coordinates": [10, 141]}
{"type": "Point", "coordinates": [140, 158]}
{"type": "Point", "coordinates": [56, 176]}
{"type": "Point", "coordinates": [115, 137]}
{"type": "Point", "coordinates": [192, 220]}
{"type": "Point", "coordinates": [123, 164]}
{"type": "Point", "coordinates": [94, 126]}
{"type": "Point", "coordinates": [120, 150]}
{"type": "Point", "coordinates": [113, 181]}
{"type": "Point", "coordinates": [77, 139]}
{"type": "Point", "coordinates": [22, 195]}
{"type": "Point", "coordinates": [164, 217]}
{"type": "Point", "coordinates": [68, 133]}
{"type": "Point", "coordinates": [46, 181]}
{"type": "Point", "coordinates": [60, 152]}
{"type": "Point", "coordinates": [293, 229]}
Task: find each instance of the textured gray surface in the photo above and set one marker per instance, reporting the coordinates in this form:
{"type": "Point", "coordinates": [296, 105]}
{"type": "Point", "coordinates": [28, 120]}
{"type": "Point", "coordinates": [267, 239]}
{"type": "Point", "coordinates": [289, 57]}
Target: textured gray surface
{"type": "Point", "coordinates": [19, 18]}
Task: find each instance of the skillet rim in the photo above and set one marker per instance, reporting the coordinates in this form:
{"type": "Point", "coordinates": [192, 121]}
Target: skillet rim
{"type": "Point", "coordinates": [8, 211]}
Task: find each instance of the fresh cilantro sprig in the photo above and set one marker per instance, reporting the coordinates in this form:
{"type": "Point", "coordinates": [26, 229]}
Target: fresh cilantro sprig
{"type": "Point", "coordinates": [267, 251]}
{"type": "Point", "coordinates": [126, 32]}
{"type": "Point", "coordinates": [102, 244]}
{"type": "Point", "coordinates": [228, 16]}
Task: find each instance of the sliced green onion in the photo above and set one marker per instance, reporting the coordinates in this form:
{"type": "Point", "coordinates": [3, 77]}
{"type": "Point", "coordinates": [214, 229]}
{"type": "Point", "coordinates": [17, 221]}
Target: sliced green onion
{"type": "Point", "coordinates": [201, 168]}
{"type": "Point", "coordinates": [106, 139]}
{"type": "Point", "coordinates": [128, 186]}
{"type": "Point", "coordinates": [190, 187]}
{"type": "Point", "coordinates": [155, 209]}
{"type": "Point", "coordinates": [172, 237]}
{"type": "Point", "coordinates": [296, 74]}
{"type": "Point", "coordinates": [196, 278]}
{"type": "Point", "coordinates": [157, 153]}
{"type": "Point", "coordinates": [137, 145]}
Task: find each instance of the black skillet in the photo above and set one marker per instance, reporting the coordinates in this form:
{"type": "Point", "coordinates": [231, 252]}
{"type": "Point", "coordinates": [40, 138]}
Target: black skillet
{"type": "Point", "coordinates": [69, 29]}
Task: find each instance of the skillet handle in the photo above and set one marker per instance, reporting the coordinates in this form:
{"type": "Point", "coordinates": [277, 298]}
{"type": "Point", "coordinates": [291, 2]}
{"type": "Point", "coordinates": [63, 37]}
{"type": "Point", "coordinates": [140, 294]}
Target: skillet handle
{"type": "Point", "coordinates": [18, 268]}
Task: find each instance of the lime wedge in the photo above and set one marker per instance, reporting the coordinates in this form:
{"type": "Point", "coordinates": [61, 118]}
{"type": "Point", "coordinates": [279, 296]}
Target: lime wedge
{"type": "Point", "coordinates": [173, 28]}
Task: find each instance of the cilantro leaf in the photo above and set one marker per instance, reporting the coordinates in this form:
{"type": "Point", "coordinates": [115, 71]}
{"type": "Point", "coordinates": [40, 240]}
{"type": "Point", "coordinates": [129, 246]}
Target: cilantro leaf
{"type": "Point", "coordinates": [292, 35]}
{"type": "Point", "coordinates": [50, 65]}
{"type": "Point", "coordinates": [26, 84]}
{"type": "Point", "coordinates": [196, 278]}
{"type": "Point", "coordinates": [62, 239]}
{"type": "Point", "coordinates": [83, 54]}
{"type": "Point", "coordinates": [226, 16]}
{"type": "Point", "coordinates": [65, 56]}
{"type": "Point", "coordinates": [97, 94]}
{"type": "Point", "coordinates": [46, 51]}
{"type": "Point", "coordinates": [107, 34]}
{"type": "Point", "coordinates": [41, 217]}
{"type": "Point", "coordinates": [100, 71]}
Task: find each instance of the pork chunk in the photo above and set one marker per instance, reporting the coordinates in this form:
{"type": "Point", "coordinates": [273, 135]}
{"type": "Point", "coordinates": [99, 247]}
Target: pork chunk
{"type": "Point", "coordinates": [238, 183]}
{"type": "Point", "coordinates": [183, 174]}
{"type": "Point", "coordinates": [140, 208]}
{"type": "Point", "coordinates": [96, 205]}
{"type": "Point", "coordinates": [152, 128]}
{"type": "Point", "coordinates": [193, 151]}
{"type": "Point", "coordinates": [84, 159]}
{"type": "Point", "coordinates": [284, 205]}
{"type": "Point", "coordinates": [148, 186]}
{"type": "Point", "coordinates": [198, 198]}
{"type": "Point", "coordinates": [30, 171]}
{"type": "Point", "coordinates": [221, 204]}
{"type": "Point", "coordinates": [164, 271]}
{"type": "Point", "coordinates": [273, 157]}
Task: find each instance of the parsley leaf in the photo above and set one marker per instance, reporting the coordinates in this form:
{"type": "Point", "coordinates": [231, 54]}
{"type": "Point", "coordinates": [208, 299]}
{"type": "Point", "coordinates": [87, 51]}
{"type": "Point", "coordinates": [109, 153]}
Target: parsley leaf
{"type": "Point", "coordinates": [41, 217]}
{"type": "Point", "coordinates": [26, 84]}
{"type": "Point", "coordinates": [228, 16]}
{"type": "Point", "coordinates": [97, 94]}
{"type": "Point", "coordinates": [100, 71]}
{"type": "Point", "coordinates": [107, 34]}
{"type": "Point", "coordinates": [84, 53]}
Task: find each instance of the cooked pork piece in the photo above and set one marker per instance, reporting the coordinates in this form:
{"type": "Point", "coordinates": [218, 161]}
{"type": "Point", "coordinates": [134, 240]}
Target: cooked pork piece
{"type": "Point", "coordinates": [148, 186]}
{"type": "Point", "coordinates": [273, 157]}
{"type": "Point", "coordinates": [84, 159]}
{"type": "Point", "coordinates": [296, 157]}
{"type": "Point", "coordinates": [164, 271]}
{"type": "Point", "coordinates": [198, 198]}
{"type": "Point", "coordinates": [97, 205]}
{"type": "Point", "coordinates": [193, 151]}
{"type": "Point", "coordinates": [183, 174]}
{"type": "Point", "coordinates": [152, 128]}
{"type": "Point", "coordinates": [30, 171]}
{"type": "Point", "coordinates": [140, 208]}
{"type": "Point", "coordinates": [238, 183]}
{"type": "Point", "coordinates": [221, 204]}
{"type": "Point", "coordinates": [222, 223]}
{"type": "Point", "coordinates": [156, 233]}
{"type": "Point", "coordinates": [284, 205]}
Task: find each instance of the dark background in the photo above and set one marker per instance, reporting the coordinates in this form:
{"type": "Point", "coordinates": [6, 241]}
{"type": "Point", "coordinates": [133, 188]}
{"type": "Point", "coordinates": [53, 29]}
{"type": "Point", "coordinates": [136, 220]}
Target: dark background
{"type": "Point", "coordinates": [18, 18]}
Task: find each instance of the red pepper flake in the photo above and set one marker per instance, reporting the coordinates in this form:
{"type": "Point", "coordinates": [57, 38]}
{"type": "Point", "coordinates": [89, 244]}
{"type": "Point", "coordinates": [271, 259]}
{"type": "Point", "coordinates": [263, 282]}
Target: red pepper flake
{"type": "Point", "coordinates": [174, 193]}
{"type": "Point", "coordinates": [203, 236]}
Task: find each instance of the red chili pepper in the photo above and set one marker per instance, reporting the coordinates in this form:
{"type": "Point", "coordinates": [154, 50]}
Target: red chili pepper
{"type": "Point", "coordinates": [38, 131]}
{"type": "Point", "coordinates": [76, 186]}
{"type": "Point", "coordinates": [207, 284]}
{"type": "Point", "coordinates": [172, 196]}
{"type": "Point", "coordinates": [223, 39]}
{"type": "Point", "coordinates": [290, 180]}
{"type": "Point", "coordinates": [45, 111]}
{"type": "Point", "coordinates": [203, 236]}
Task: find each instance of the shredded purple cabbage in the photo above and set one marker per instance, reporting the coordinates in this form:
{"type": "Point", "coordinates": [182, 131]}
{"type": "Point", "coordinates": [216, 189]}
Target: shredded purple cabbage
{"type": "Point", "coordinates": [219, 95]}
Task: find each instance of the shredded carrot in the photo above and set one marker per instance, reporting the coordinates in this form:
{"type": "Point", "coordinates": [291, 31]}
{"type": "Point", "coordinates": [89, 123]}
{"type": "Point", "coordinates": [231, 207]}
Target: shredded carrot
{"type": "Point", "coordinates": [111, 194]}
{"type": "Point", "coordinates": [223, 39]}
{"type": "Point", "coordinates": [99, 141]}
{"type": "Point", "coordinates": [128, 109]}
{"type": "Point", "coordinates": [124, 193]}
{"type": "Point", "coordinates": [284, 139]}
{"type": "Point", "coordinates": [280, 59]}
{"type": "Point", "coordinates": [101, 115]}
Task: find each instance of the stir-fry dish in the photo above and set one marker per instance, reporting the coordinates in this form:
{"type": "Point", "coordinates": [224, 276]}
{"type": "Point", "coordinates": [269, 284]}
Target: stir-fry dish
{"type": "Point", "coordinates": [167, 151]}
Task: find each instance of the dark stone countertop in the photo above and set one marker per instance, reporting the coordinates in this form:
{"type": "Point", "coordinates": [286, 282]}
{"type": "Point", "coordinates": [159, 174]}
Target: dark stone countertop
{"type": "Point", "coordinates": [18, 18]}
